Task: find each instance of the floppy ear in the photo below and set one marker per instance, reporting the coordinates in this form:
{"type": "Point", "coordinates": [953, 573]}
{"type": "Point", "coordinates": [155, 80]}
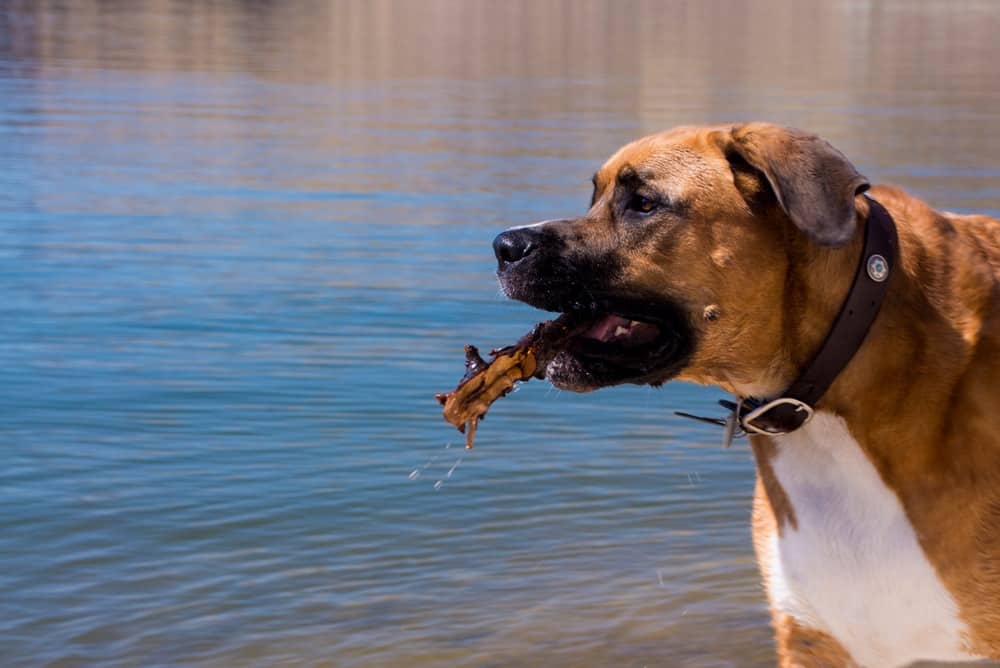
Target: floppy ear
{"type": "Point", "coordinates": [813, 182]}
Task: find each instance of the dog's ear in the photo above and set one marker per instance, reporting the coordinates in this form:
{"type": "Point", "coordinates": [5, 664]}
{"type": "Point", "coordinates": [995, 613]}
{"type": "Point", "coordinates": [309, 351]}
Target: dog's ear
{"type": "Point", "coordinates": [812, 181]}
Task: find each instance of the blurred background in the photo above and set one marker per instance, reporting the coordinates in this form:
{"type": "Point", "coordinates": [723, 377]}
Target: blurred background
{"type": "Point", "coordinates": [241, 246]}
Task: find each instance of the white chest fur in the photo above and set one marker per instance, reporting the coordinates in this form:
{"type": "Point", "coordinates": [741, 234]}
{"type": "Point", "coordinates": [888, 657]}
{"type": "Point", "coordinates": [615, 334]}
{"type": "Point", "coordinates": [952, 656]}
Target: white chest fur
{"type": "Point", "coordinates": [853, 567]}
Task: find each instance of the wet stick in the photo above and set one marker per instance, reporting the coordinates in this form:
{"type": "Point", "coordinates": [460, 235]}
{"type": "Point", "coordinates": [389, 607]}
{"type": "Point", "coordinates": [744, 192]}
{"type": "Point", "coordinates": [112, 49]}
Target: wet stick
{"type": "Point", "coordinates": [485, 382]}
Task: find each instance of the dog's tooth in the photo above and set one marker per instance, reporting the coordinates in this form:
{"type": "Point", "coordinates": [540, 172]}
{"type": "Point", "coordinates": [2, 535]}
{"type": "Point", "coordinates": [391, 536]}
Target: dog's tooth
{"type": "Point", "coordinates": [619, 330]}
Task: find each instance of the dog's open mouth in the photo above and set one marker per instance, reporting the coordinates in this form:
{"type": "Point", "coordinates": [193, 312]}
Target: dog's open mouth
{"type": "Point", "coordinates": [611, 348]}
{"type": "Point", "coordinates": [602, 337]}
{"type": "Point", "coordinates": [617, 337]}
{"type": "Point", "coordinates": [576, 351]}
{"type": "Point", "coordinates": [617, 332]}
{"type": "Point", "coordinates": [579, 351]}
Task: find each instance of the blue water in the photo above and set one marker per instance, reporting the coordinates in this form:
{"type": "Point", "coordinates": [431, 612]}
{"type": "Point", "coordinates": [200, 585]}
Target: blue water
{"type": "Point", "coordinates": [243, 244]}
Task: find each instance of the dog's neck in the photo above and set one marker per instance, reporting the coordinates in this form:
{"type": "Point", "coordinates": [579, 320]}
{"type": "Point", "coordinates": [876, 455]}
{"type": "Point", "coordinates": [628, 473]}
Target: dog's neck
{"type": "Point", "coordinates": [817, 285]}
{"type": "Point", "coordinates": [906, 374]}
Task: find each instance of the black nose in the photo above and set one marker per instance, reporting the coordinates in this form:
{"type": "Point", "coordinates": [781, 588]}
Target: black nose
{"type": "Point", "coordinates": [514, 245]}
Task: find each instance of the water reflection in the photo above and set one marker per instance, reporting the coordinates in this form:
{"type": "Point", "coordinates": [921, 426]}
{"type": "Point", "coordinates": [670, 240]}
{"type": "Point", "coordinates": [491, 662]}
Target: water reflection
{"type": "Point", "coordinates": [242, 243]}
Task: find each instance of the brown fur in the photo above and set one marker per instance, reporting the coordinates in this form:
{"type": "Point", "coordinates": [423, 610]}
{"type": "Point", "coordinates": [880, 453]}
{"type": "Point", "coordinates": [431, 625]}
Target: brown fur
{"type": "Point", "coordinates": [920, 396]}
{"type": "Point", "coordinates": [802, 647]}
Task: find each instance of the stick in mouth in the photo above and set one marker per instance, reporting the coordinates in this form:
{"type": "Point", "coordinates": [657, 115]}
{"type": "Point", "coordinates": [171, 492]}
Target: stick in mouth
{"type": "Point", "coordinates": [485, 382]}
{"type": "Point", "coordinates": [593, 349]}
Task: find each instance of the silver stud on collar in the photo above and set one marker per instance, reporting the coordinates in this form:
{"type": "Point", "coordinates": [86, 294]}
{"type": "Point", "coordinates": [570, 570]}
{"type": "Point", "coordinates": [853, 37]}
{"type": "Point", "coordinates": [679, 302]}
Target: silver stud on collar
{"type": "Point", "coordinates": [878, 268]}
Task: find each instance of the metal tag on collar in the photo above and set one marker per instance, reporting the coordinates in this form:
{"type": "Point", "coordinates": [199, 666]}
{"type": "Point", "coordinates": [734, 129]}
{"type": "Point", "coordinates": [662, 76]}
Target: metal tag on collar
{"type": "Point", "coordinates": [877, 268]}
{"type": "Point", "coordinates": [746, 421]}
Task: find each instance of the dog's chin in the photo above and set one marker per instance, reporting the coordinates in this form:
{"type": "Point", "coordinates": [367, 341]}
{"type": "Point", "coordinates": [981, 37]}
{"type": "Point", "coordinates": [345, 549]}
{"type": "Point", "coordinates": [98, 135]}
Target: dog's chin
{"type": "Point", "coordinates": [614, 339]}
{"type": "Point", "coordinates": [569, 372]}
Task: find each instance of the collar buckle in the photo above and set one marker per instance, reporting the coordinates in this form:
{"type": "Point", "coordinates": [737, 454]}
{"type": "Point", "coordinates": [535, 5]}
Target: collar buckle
{"type": "Point", "coordinates": [772, 418]}
{"type": "Point", "coordinates": [789, 415]}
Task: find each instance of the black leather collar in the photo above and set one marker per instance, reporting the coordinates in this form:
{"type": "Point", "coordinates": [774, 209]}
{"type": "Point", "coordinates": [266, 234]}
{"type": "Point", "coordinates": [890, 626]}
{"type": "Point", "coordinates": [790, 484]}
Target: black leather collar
{"type": "Point", "coordinates": [794, 408]}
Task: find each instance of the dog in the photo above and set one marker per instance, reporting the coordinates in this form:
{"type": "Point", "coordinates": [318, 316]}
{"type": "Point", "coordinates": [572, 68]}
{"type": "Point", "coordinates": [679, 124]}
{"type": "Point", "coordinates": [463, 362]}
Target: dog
{"type": "Point", "coordinates": [722, 255]}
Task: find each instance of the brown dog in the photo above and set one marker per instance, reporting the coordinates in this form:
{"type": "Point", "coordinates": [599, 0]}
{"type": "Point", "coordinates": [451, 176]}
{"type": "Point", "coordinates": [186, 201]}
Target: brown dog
{"type": "Point", "coordinates": [721, 255]}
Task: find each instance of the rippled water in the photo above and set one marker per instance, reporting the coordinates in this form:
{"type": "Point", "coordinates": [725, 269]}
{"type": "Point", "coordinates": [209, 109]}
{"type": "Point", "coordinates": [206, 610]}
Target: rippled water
{"type": "Point", "coordinates": [243, 243]}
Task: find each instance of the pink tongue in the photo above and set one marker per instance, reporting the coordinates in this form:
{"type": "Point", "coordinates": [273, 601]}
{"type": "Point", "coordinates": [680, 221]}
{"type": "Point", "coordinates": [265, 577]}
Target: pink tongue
{"type": "Point", "coordinates": [604, 329]}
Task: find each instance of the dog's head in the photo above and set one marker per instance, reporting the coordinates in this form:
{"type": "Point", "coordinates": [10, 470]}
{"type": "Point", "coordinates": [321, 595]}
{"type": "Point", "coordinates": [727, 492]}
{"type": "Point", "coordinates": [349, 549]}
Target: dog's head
{"type": "Point", "coordinates": [687, 259]}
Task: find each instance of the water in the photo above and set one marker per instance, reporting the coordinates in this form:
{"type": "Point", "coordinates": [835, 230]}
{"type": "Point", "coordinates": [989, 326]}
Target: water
{"type": "Point", "coordinates": [242, 245]}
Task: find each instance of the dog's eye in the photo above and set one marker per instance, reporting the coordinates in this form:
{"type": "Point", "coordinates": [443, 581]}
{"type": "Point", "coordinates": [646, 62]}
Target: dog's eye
{"type": "Point", "coordinates": [642, 204]}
